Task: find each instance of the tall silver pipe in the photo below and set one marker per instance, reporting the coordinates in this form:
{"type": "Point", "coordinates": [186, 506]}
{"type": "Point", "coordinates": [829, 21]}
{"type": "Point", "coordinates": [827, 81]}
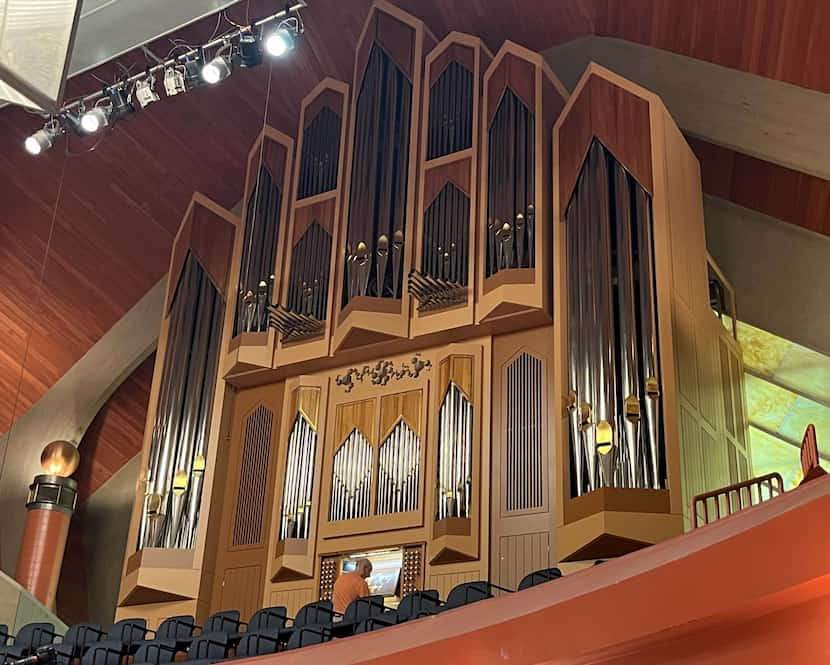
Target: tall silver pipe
{"type": "Point", "coordinates": [626, 303]}
{"type": "Point", "coordinates": [648, 340]}
{"type": "Point", "coordinates": [606, 405]}
{"type": "Point", "coordinates": [573, 228]}
{"type": "Point", "coordinates": [588, 317]}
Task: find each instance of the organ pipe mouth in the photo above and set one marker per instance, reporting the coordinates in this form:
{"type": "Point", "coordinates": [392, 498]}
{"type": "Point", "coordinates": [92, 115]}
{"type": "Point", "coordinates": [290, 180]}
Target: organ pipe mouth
{"type": "Point", "coordinates": [605, 437]}
{"type": "Point", "coordinates": [632, 409]}
{"type": "Point", "coordinates": [180, 483]}
{"type": "Point", "coordinates": [584, 416]}
{"type": "Point", "coordinates": [153, 504]}
{"type": "Point", "coordinates": [652, 387]}
{"type": "Point", "coordinates": [199, 464]}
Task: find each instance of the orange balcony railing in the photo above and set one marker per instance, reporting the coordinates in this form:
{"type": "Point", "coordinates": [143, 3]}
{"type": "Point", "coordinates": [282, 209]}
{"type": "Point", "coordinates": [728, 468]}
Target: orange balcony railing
{"type": "Point", "coordinates": [711, 506]}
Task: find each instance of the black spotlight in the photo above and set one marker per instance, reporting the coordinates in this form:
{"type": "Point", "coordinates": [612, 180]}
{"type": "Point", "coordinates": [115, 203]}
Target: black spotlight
{"type": "Point", "coordinates": [193, 71]}
{"type": "Point", "coordinates": [121, 105]}
{"type": "Point", "coordinates": [250, 53]}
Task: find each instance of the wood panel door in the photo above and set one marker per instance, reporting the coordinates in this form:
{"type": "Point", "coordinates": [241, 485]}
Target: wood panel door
{"type": "Point", "coordinates": [241, 562]}
{"type": "Point", "coordinates": [521, 535]}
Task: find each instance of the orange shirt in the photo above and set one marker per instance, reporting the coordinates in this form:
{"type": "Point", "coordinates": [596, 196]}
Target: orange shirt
{"type": "Point", "coordinates": [348, 587]}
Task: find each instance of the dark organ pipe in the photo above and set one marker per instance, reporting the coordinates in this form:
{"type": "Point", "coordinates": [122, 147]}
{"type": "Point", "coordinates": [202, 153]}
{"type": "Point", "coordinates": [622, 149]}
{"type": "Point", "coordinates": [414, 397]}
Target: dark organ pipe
{"type": "Point", "coordinates": [510, 187]}
{"type": "Point", "coordinates": [614, 405]}
{"type": "Point", "coordinates": [446, 236]}
{"type": "Point", "coordinates": [320, 154]}
{"type": "Point", "coordinates": [377, 208]}
{"type": "Point", "coordinates": [309, 279]}
{"type": "Point", "coordinates": [259, 251]}
{"type": "Point", "coordinates": [179, 443]}
{"type": "Point", "coordinates": [449, 124]}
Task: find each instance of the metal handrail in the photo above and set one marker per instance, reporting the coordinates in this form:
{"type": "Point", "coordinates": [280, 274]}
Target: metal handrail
{"type": "Point", "coordinates": [735, 495]}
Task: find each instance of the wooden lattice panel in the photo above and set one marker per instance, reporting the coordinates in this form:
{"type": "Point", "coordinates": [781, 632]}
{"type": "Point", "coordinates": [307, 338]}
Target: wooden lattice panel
{"type": "Point", "coordinates": [412, 570]}
{"type": "Point", "coordinates": [328, 574]}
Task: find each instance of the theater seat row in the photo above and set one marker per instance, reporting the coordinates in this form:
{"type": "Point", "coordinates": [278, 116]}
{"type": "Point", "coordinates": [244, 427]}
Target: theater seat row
{"type": "Point", "coordinates": [226, 637]}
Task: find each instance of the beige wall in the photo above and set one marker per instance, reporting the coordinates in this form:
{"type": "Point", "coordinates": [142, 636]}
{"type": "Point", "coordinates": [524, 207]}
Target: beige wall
{"type": "Point", "coordinates": [106, 520]}
{"type": "Point", "coordinates": [780, 271]}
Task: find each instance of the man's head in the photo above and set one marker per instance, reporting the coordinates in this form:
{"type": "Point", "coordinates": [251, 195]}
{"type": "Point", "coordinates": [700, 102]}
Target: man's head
{"type": "Point", "coordinates": [364, 568]}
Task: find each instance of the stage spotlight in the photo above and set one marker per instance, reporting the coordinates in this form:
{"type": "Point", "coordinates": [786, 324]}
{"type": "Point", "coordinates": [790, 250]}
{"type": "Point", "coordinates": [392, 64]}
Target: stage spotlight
{"type": "Point", "coordinates": [250, 54]}
{"type": "Point", "coordinates": [119, 104]}
{"type": "Point", "coordinates": [279, 42]}
{"type": "Point", "coordinates": [216, 70]}
{"type": "Point", "coordinates": [145, 91]}
{"type": "Point", "coordinates": [43, 139]}
{"type": "Point", "coordinates": [94, 119]}
{"type": "Point", "coordinates": [193, 73]}
{"type": "Point", "coordinates": [174, 80]}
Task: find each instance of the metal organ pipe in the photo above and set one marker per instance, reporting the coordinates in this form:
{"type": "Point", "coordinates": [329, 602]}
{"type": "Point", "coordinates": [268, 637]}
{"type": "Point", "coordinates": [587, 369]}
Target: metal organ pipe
{"type": "Point", "coordinates": [174, 483]}
{"type": "Point", "coordinates": [454, 455]}
{"type": "Point", "coordinates": [648, 339]}
{"type": "Point", "coordinates": [612, 349]}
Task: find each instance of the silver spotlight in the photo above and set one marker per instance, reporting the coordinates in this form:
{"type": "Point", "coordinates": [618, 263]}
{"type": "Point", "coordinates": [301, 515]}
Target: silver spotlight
{"type": "Point", "coordinates": [216, 70]}
{"type": "Point", "coordinates": [279, 42]}
{"type": "Point", "coordinates": [43, 139]}
{"type": "Point", "coordinates": [145, 91]}
{"type": "Point", "coordinates": [174, 80]}
{"type": "Point", "coordinates": [94, 119]}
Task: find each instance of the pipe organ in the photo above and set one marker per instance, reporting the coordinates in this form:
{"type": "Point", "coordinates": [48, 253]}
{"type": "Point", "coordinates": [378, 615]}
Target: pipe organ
{"type": "Point", "coordinates": [614, 394]}
{"type": "Point", "coordinates": [469, 334]}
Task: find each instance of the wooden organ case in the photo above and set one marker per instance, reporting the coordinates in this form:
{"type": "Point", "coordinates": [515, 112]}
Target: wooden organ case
{"type": "Point", "coordinates": [468, 333]}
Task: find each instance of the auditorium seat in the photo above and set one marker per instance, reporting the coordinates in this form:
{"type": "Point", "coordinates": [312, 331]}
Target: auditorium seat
{"type": "Point", "coordinates": [307, 635]}
{"type": "Point", "coordinates": [155, 652]}
{"type": "Point", "coordinates": [179, 629]}
{"type": "Point", "coordinates": [4, 634]}
{"type": "Point", "coordinates": [539, 577]}
{"type": "Point", "coordinates": [413, 604]}
{"type": "Point", "coordinates": [358, 610]}
{"type": "Point", "coordinates": [208, 648]}
{"type": "Point", "coordinates": [467, 593]}
{"type": "Point", "coordinates": [108, 652]}
{"type": "Point", "coordinates": [254, 643]}
{"type": "Point", "coordinates": [318, 613]}
{"type": "Point", "coordinates": [77, 638]}
{"type": "Point", "coordinates": [129, 632]}
{"type": "Point", "coordinates": [226, 621]}
{"type": "Point", "coordinates": [28, 639]}
{"type": "Point", "coordinates": [268, 620]}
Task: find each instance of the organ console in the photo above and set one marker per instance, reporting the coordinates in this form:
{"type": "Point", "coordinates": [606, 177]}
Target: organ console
{"type": "Point", "coordinates": [463, 327]}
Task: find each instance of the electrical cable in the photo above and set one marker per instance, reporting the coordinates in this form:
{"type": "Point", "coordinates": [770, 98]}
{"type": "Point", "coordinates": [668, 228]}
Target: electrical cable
{"type": "Point", "coordinates": [35, 307]}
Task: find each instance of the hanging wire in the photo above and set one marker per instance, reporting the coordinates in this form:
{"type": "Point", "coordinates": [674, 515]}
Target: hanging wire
{"type": "Point", "coordinates": [35, 307]}
{"type": "Point", "coordinates": [252, 218]}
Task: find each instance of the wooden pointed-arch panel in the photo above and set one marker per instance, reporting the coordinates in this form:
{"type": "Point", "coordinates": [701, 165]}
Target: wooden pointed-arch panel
{"type": "Point", "coordinates": [522, 99]}
{"type": "Point", "coordinates": [296, 501]}
{"type": "Point", "coordinates": [442, 281]}
{"type": "Point", "coordinates": [253, 478]}
{"type": "Point", "coordinates": [259, 253]}
{"type": "Point", "coordinates": [459, 449]}
{"type": "Point", "coordinates": [207, 231]}
{"type": "Point", "coordinates": [243, 528]}
{"type": "Point", "coordinates": [524, 456]}
{"type": "Point", "coordinates": [375, 247]}
{"type": "Point", "coordinates": [304, 317]}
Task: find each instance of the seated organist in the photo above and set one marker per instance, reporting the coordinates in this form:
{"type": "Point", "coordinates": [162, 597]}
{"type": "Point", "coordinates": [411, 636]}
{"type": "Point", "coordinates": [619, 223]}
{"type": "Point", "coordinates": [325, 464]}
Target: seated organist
{"type": "Point", "coordinates": [351, 585]}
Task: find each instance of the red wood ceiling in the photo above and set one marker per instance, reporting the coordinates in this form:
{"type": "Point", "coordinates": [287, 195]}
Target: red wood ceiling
{"type": "Point", "coordinates": [797, 198]}
{"type": "Point", "coordinates": [121, 202]}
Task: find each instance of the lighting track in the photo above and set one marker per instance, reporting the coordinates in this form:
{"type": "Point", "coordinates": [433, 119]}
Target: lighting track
{"type": "Point", "coordinates": [241, 47]}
